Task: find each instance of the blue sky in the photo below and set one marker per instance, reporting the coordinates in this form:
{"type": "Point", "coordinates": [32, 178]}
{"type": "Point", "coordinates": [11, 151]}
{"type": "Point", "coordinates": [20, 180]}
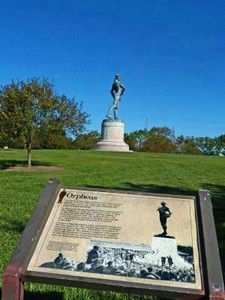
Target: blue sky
{"type": "Point", "coordinates": [170, 55]}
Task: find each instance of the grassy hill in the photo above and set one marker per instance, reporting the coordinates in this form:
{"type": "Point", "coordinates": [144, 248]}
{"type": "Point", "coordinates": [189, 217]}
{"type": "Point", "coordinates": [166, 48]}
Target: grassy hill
{"type": "Point", "coordinates": [148, 172]}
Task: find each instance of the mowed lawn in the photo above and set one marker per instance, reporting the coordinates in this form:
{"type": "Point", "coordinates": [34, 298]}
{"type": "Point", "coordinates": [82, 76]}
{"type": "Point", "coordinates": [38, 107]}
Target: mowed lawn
{"type": "Point", "coordinates": [148, 172]}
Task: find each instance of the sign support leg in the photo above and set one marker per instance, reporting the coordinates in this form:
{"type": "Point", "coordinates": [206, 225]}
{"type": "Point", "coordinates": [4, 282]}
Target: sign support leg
{"type": "Point", "coordinates": [211, 252]}
{"type": "Point", "coordinates": [13, 288]}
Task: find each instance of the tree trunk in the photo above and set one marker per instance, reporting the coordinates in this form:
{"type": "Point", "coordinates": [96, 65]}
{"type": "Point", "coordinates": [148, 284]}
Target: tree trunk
{"type": "Point", "coordinates": [29, 155]}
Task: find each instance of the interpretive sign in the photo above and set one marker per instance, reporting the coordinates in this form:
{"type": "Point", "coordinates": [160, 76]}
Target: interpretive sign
{"type": "Point", "coordinates": [105, 235]}
{"type": "Point", "coordinates": [117, 240]}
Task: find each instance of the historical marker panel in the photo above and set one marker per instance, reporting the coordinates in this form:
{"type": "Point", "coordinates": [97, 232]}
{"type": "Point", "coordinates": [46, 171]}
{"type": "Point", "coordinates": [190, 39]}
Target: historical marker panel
{"type": "Point", "coordinates": [117, 236]}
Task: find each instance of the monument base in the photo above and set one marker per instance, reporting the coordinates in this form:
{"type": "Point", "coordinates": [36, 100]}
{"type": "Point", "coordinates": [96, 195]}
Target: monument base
{"type": "Point", "coordinates": [166, 247]}
{"type": "Point", "coordinates": [112, 137]}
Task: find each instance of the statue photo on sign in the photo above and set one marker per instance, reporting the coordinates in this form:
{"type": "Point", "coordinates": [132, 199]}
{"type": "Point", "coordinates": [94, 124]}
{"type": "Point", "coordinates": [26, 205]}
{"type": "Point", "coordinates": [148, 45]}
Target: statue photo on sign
{"type": "Point", "coordinates": [164, 214]}
{"type": "Point", "coordinates": [117, 91]}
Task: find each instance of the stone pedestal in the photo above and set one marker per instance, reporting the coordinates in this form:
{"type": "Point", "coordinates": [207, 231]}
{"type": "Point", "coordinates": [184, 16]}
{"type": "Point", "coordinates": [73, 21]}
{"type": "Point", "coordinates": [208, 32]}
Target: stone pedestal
{"type": "Point", "coordinates": [166, 247]}
{"type": "Point", "coordinates": [112, 137]}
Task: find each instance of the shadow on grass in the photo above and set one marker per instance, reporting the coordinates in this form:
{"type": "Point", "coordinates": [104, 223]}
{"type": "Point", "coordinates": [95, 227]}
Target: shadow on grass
{"type": "Point", "coordinates": [6, 164]}
{"type": "Point", "coordinates": [218, 201]}
{"type": "Point", "coordinates": [85, 294]}
{"type": "Point", "coordinates": [217, 194]}
{"type": "Point", "coordinates": [16, 226]}
{"type": "Point", "coordinates": [41, 295]}
{"type": "Point", "coordinates": [150, 188]}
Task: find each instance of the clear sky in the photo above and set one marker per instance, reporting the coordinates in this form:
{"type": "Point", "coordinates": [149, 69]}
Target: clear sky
{"type": "Point", "coordinates": [170, 55]}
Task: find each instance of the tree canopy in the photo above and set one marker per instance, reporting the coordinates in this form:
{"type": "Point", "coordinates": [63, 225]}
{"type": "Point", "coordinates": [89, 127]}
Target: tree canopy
{"type": "Point", "coordinates": [162, 139]}
{"type": "Point", "coordinates": [87, 140]}
{"type": "Point", "coordinates": [33, 108]}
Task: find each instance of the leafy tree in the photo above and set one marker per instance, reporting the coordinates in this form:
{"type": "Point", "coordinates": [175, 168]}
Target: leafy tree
{"type": "Point", "coordinates": [136, 139]}
{"type": "Point", "coordinates": [159, 143]}
{"type": "Point", "coordinates": [55, 139]}
{"type": "Point", "coordinates": [190, 146]}
{"type": "Point", "coordinates": [130, 140]}
{"type": "Point", "coordinates": [157, 139]}
{"type": "Point", "coordinates": [32, 107]}
{"type": "Point", "coordinates": [163, 131]}
{"type": "Point", "coordinates": [207, 145]}
{"type": "Point", "coordinates": [87, 141]}
{"type": "Point", "coordinates": [221, 144]}
{"type": "Point", "coordinates": [187, 145]}
{"type": "Point", "coordinates": [161, 139]}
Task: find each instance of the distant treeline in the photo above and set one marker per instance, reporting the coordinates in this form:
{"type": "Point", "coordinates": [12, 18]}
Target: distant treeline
{"type": "Point", "coordinates": [157, 139]}
{"type": "Point", "coordinates": [160, 139]}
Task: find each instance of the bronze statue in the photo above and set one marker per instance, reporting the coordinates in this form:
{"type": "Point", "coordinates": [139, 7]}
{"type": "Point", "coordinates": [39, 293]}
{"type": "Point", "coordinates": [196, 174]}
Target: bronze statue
{"type": "Point", "coordinates": [164, 214]}
{"type": "Point", "coordinates": [117, 91]}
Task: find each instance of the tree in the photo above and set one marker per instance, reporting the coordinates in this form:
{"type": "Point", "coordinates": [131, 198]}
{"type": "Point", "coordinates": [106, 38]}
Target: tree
{"type": "Point", "coordinates": [161, 139]}
{"type": "Point", "coordinates": [207, 145]}
{"type": "Point", "coordinates": [32, 107]}
{"type": "Point", "coordinates": [163, 131]}
{"type": "Point", "coordinates": [159, 143]}
{"type": "Point", "coordinates": [221, 144]}
{"type": "Point", "coordinates": [87, 141]}
{"type": "Point", "coordinates": [130, 140]}
{"type": "Point", "coordinates": [136, 139]}
{"type": "Point", "coordinates": [190, 146]}
{"type": "Point", "coordinates": [157, 139]}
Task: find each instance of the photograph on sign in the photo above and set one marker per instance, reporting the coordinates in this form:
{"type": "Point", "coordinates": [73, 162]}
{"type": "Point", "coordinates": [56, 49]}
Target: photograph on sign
{"type": "Point", "coordinates": [129, 237]}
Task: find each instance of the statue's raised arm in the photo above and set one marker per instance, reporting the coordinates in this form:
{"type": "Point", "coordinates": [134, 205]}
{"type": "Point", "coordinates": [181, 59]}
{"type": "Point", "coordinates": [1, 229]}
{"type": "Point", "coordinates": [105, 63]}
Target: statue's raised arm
{"type": "Point", "coordinates": [117, 91]}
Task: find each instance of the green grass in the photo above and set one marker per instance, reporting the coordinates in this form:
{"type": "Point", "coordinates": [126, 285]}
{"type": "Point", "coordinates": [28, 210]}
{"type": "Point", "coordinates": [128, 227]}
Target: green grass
{"type": "Point", "coordinates": [161, 173]}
